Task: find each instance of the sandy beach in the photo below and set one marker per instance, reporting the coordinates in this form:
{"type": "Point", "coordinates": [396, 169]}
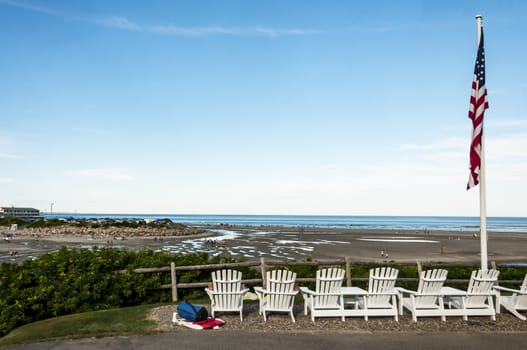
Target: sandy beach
{"type": "Point", "coordinates": [277, 242]}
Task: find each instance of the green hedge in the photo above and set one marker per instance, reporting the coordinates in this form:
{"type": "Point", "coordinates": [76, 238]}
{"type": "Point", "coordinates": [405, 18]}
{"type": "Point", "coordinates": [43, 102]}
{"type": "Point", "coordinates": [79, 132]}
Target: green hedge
{"type": "Point", "coordinates": [77, 280]}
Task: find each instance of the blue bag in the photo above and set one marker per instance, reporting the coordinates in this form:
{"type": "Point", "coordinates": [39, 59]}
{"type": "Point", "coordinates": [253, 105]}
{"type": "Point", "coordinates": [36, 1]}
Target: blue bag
{"type": "Point", "coordinates": [191, 312]}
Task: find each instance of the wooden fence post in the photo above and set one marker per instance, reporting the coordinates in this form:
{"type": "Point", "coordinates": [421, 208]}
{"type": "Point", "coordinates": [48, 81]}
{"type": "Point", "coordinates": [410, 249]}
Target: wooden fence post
{"type": "Point", "coordinates": [493, 264]}
{"type": "Point", "coordinates": [495, 267]}
{"type": "Point", "coordinates": [263, 269]}
{"type": "Point", "coordinates": [419, 267]}
{"type": "Point", "coordinates": [173, 281]}
{"type": "Point", "coordinates": [348, 271]}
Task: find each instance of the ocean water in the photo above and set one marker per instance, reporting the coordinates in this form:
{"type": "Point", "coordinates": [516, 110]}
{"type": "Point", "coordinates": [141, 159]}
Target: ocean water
{"type": "Point", "coordinates": [443, 223]}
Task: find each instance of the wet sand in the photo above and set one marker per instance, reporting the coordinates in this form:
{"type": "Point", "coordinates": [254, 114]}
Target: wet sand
{"type": "Point", "coordinates": [296, 243]}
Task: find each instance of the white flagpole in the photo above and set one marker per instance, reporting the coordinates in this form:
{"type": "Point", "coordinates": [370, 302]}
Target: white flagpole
{"type": "Point", "coordinates": [482, 187]}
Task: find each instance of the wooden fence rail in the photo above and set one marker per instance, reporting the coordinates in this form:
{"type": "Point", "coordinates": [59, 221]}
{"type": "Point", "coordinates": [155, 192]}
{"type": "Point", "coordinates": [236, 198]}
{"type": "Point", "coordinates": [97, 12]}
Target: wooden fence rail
{"type": "Point", "coordinates": [265, 264]}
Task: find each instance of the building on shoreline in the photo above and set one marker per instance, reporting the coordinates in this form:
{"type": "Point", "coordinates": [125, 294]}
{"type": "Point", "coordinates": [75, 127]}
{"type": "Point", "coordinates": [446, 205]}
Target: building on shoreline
{"type": "Point", "coordinates": [23, 213]}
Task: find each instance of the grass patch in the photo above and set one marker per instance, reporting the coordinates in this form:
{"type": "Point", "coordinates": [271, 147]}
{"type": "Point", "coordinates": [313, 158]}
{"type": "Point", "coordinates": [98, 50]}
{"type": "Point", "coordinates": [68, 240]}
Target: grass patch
{"type": "Point", "coordinates": [105, 323]}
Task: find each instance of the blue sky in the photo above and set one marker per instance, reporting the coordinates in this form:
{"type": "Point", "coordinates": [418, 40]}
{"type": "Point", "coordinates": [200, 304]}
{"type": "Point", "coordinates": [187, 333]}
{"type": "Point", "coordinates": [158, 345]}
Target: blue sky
{"type": "Point", "coordinates": [259, 107]}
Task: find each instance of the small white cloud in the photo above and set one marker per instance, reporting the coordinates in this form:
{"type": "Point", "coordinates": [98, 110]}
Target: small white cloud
{"type": "Point", "coordinates": [507, 146]}
{"type": "Point", "coordinates": [30, 7]}
{"type": "Point", "coordinates": [11, 156]}
{"type": "Point", "coordinates": [117, 22]}
{"type": "Point", "coordinates": [451, 143]}
{"type": "Point", "coordinates": [6, 180]}
{"type": "Point", "coordinates": [218, 30]}
{"type": "Point", "coordinates": [264, 31]}
{"type": "Point", "coordinates": [506, 123]}
{"type": "Point", "coordinates": [188, 31]}
{"type": "Point", "coordinates": [101, 174]}
{"type": "Point", "coordinates": [5, 141]}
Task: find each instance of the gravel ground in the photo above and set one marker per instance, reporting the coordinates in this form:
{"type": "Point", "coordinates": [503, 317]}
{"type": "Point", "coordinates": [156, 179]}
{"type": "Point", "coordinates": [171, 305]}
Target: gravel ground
{"type": "Point", "coordinates": [277, 322]}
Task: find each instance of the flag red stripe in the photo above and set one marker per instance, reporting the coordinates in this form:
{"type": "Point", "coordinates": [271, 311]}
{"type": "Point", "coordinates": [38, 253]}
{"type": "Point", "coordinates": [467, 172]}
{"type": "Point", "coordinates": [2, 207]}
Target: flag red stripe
{"type": "Point", "coordinates": [478, 104]}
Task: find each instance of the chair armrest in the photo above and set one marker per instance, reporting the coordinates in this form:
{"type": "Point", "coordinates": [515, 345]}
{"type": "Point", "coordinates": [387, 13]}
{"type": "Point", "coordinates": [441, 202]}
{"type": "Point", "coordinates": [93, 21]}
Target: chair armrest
{"type": "Point", "coordinates": [378, 294]}
{"type": "Point", "coordinates": [259, 289]}
{"type": "Point", "coordinates": [492, 292]}
{"type": "Point", "coordinates": [305, 290]}
{"type": "Point", "coordinates": [500, 288]}
{"type": "Point", "coordinates": [212, 292]}
{"type": "Point", "coordinates": [453, 292]}
{"type": "Point", "coordinates": [404, 290]}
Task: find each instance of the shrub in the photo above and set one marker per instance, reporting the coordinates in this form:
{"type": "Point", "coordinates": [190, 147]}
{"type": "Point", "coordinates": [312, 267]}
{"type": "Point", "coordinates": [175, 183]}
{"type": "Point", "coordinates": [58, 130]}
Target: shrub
{"type": "Point", "coordinates": [77, 280]}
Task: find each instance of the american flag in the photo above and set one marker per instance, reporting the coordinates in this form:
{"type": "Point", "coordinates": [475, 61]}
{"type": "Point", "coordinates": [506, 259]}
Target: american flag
{"type": "Point", "coordinates": [478, 105]}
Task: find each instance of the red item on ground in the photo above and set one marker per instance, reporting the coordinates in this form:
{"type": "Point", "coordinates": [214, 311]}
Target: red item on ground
{"type": "Point", "coordinates": [210, 323]}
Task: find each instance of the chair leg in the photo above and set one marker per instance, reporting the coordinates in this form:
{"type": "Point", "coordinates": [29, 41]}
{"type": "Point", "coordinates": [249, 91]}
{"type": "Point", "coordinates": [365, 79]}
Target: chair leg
{"type": "Point", "coordinates": [442, 308]}
{"type": "Point", "coordinates": [491, 306]}
{"type": "Point", "coordinates": [514, 312]}
{"type": "Point", "coordinates": [365, 306]}
{"type": "Point", "coordinates": [465, 317]}
{"type": "Point", "coordinates": [396, 313]}
{"type": "Point", "coordinates": [413, 308]}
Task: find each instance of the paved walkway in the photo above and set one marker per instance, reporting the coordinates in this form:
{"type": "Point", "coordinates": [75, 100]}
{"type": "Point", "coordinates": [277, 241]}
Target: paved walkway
{"type": "Point", "coordinates": [219, 340]}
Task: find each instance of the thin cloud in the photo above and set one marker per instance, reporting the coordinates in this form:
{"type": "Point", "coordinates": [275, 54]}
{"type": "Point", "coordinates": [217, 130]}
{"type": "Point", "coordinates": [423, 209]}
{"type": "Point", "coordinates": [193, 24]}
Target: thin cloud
{"type": "Point", "coordinates": [507, 123]}
{"type": "Point", "coordinates": [126, 24]}
{"type": "Point", "coordinates": [6, 180]}
{"type": "Point", "coordinates": [101, 174]}
{"type": "Point", "coordinates": [380, 29]}
{"type": "Point", "coordinates": [4, 141]}
{"type": "Point", "coordinates": [32, 7]}
{"type": "Point", "coordinates": [117, 22]}
{"type": "Point", "coordinates": [123, 23]}
{"type": "Point", "coordinates": [514, 146]}
{"type": "Point", "coordinates": [11, 156]}
{"type": "Point", "coordinates": [451, 143]}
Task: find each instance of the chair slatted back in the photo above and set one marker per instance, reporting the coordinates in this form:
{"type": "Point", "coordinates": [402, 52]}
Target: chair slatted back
{"type": "Point", "coordinates": [480, 286]}
{"type": "Point", "coordinates": [523, 287]}
{"type": "Point", "coordinates": [227, 285]}
{"type": "Point", "coordinates": [430, 284]}
{"type": "Point", "coordinates": [328, 284]}
{"type": "Point", "coordinates": [381, 283]}
{"type": "Point", "coordinates": [280, 288]}
{"type": "Point", "coordinates": [520, 299]}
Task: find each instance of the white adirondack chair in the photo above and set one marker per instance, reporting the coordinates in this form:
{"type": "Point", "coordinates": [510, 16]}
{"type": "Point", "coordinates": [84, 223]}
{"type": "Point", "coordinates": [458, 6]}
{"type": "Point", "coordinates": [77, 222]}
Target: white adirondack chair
{"type": "Point", "coordinates": [477, 300]}
{"type": "Point", "coordinates": [279, 293]}
{"type": "Point", "coordinates": [326, 300]}
{"type": "Point", "coordinates": [427, 301]}
{"type": "Point", "coordinates": [226, 293]}
{"type": "Point", "coordinates": [381, 299]}
{"type": "Point", "coordinates": [515, 302]}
